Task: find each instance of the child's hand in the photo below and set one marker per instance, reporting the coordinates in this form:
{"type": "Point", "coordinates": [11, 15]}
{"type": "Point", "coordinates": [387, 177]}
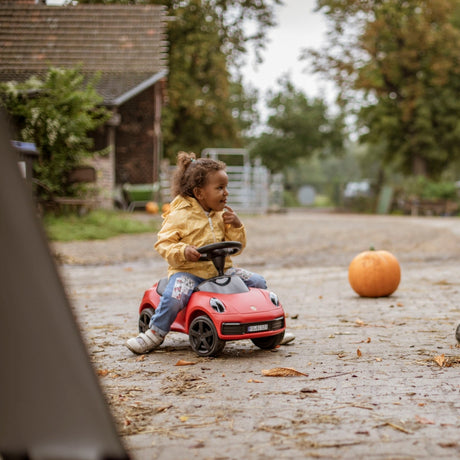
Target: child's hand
{"type": "Point", "coordinates": [231, 218]}
{"type": "Point", "coordinates": [191, 253]}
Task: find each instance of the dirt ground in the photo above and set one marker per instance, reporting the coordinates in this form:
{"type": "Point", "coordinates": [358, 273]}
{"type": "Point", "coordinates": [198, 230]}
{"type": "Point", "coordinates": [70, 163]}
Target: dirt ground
{"type": "Point", "coordinates": [382, 375]}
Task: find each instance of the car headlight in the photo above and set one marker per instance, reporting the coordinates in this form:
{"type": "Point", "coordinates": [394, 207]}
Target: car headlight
{"type": "Point", "coordinates": [217, 305]}
{"type": "Point", "coordinates": [274, 299]}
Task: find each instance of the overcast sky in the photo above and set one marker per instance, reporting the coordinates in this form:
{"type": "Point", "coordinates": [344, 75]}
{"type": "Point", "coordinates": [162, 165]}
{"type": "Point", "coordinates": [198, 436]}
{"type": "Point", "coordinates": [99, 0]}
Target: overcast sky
{"type": "Point", "coordinates": [298, 27]}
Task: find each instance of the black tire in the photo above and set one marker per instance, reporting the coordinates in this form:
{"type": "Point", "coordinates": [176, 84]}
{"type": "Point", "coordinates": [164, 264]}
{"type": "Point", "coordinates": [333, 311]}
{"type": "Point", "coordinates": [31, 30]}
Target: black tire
{"type": "Point", "coordinates": [268, 343]}
{"type": "Point", "coordinates": [203, 337]}
{"type": "Point", "coordinates": [144, 318]}
{"type": "Point", "coordinates": [457, 333]}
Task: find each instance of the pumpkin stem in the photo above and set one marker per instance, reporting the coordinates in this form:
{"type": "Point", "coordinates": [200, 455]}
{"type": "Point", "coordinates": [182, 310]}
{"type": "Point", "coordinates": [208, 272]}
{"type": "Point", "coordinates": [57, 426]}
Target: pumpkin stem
{"type": "Point", "coordinates": [371, 248]}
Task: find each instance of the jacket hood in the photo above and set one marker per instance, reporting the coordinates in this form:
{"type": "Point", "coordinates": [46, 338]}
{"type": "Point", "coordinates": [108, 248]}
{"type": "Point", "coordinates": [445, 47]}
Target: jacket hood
{"type": "Point", "coordinates": [182, 202]}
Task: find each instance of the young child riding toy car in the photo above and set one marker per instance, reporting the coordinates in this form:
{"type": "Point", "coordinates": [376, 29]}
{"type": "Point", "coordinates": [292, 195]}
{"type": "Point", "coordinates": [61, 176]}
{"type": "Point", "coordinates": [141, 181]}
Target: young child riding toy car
{"type": "Point", "coordinates": [234, 304]}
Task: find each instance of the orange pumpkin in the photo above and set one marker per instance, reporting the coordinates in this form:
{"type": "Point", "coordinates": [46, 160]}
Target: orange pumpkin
{"type": "Point", "coordinates": [152, 208]}
{"type": "Point", "coordinates": [165, 207]}
{"type": "Point", "coordinates": [374, 273]}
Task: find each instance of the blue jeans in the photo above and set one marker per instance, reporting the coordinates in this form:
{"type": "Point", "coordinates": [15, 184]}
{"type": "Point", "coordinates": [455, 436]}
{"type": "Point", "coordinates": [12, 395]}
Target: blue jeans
{"type": "Point", "coordinates": [179, 290]}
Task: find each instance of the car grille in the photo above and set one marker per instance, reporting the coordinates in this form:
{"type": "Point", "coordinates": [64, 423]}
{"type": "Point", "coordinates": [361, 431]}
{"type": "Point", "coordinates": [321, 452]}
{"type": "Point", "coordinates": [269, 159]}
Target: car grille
{"type": "Point", "coordinates": [245, 328]}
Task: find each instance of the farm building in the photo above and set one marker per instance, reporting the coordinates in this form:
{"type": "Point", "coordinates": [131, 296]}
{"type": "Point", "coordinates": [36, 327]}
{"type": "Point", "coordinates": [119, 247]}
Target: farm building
{"type": "Point", "coordinates": [126, 45]}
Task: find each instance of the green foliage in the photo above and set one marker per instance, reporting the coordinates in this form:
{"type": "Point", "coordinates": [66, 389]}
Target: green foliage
{"type": "Point", "coordinates": [207, 105]}
{"type": "Point", "coordinates": [298, 127]}
{"type": "Point", "coordinates": [424, 188]}
{"type": "Point", "coordinates": [55, 113]}
{"type": "Point", "coordinates": [397, 65]}
{"type": "Point", "coordinates": [198, 113]}
{"type": "Point", "coordinates": [97, 225]}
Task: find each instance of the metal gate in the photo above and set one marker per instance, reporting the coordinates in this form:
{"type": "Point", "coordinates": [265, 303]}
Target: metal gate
{"type": "Point", "coordinates": [248, 185]}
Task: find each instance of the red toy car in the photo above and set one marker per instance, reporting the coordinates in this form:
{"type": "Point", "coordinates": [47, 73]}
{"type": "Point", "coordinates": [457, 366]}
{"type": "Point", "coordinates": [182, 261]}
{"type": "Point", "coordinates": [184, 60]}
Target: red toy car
{"type": "Point", "coordinates": [222, 308]}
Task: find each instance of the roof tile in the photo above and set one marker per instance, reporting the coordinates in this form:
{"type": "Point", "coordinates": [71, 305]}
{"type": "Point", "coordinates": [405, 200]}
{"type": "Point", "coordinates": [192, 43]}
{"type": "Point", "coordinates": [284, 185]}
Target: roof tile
{"type": "Point", "coordinates": [125, 43]}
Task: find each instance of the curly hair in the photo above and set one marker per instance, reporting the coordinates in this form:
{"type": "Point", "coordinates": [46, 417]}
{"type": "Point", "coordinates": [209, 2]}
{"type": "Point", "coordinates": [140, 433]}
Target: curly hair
{"type": "Point", "coordinates": [192, 172]}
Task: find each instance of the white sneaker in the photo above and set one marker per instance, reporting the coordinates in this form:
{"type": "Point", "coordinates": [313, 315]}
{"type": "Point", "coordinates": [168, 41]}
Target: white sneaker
{"type": "Point", "coordinates": [288, 337]}
{"type": "Point", "coordinates": [144, 343]}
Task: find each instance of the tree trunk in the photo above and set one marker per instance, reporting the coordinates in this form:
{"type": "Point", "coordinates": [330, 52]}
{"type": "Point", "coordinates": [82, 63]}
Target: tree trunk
{"type": "Point", "coordinates": [419, 167]}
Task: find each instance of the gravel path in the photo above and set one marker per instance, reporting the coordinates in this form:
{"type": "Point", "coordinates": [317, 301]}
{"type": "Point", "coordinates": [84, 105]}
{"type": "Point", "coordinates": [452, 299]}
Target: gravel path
{"type": "Point", "coordinates": [382, 375]}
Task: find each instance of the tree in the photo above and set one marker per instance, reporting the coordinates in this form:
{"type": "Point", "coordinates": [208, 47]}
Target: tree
{"type": "Point", "coordinates": [56, 113]}
{"type": "Point", "coordinates": [199, 109]}
{"type": "Point", "coordinates": [298, 127]}
{"type": "Point", "coordinates": [397, 61]}
{"type": "Point", "coordinates": [207, 104]}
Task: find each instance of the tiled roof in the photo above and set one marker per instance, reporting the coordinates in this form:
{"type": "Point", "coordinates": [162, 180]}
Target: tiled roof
{"type": "Point", "coordinates": [125, 43]}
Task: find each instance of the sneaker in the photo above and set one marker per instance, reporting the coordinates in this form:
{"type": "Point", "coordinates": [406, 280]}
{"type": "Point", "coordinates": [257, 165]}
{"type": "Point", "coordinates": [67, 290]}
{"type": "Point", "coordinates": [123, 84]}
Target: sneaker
{"type": "Point", "coordinates": [288, 337]}
{"type": "Point", "coordinates": [144, 343]}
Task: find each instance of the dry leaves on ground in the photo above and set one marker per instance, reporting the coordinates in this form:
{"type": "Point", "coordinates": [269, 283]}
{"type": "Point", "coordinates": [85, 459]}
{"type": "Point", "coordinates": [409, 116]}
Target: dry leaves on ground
{"type": "Point", "coordinates": [282, 372]}
{"type": "Point", "coordinates": [182, 362]}
{"type": "Point", "coordinates": [446, 361]}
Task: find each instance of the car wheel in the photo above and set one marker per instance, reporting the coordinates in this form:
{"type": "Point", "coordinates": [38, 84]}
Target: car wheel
{"type": "Point", "coordinates": [203, 337]}
{"type": "Point", "coordinates": [267, 343]}
{"type": "Point", "coordinates": [144, 318]}
{"type": "Point", "coordinates": [457, 333]}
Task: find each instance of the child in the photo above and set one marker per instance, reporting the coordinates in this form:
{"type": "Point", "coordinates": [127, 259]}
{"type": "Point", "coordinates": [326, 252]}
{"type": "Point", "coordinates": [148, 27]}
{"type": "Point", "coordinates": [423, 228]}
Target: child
{"type": "Point", "coordinates": [198, 215]}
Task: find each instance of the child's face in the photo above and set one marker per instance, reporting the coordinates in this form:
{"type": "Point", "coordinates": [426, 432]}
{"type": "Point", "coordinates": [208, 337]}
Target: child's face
{"type": "Point", "coordinates": [213, 196]}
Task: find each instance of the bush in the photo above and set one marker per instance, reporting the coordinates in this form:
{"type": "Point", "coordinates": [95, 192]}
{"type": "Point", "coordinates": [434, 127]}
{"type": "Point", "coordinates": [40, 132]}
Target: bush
{"type": "Point", "coordinates": [424, 188]}
{"type": "Point", "coordinates": [56, 114]}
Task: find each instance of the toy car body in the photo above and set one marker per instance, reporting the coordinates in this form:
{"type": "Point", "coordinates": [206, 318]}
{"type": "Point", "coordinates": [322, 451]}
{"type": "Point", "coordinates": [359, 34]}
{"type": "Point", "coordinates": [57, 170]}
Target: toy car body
{"type": "Point", "coordinates": [220, 309]}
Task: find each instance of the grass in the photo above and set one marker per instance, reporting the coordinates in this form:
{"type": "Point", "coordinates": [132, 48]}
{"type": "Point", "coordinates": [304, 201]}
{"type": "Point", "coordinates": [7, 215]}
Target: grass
{"type": "Point", "coordinates": [97, 225]}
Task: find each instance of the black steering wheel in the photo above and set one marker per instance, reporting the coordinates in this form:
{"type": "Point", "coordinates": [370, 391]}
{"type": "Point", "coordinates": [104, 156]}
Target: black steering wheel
{"type": "Point", "coordinates": [224, 248]}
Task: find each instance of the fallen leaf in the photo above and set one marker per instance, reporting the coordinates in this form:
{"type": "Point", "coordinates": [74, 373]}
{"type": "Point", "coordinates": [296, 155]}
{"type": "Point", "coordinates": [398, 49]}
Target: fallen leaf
{"type": "Point", "coordinates": [308, 390]}
{"type": "Point", "coordinates": [282, 372]}
{"type": "Point", "coordinates": [198, 445]}
{"type": "Point", "coordinates": [368, 340]}
{"type": "Point", "coordinates": [183, 418]}
{"type": "Point", "coordinates": [140, 358]}
{"type": "Point", "coordinates": [181, 362]}
{"type": "Point", "coordinates": [360, 322]}
{"type": "Point", "coordinates": [424, 420]}
{"type": "Point", "coordinates": [400, 304]}
{"type": "Point", "coordinates": [102, 372]}
{"type": "Point", "coordinates": [254, 381]}
{"type": "Point", "coordinates": [379, 360]}
{"type": "Point", "coordinates": [448, 444]}
{"type": "Point", "coordinates": [358, 352]}
{"type": "Point", "coordinates": [440, 360]}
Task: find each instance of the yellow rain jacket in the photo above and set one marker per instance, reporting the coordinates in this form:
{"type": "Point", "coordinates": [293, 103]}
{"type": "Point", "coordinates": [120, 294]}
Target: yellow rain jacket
{"type": "Point", "coordinates": [187, 223]}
